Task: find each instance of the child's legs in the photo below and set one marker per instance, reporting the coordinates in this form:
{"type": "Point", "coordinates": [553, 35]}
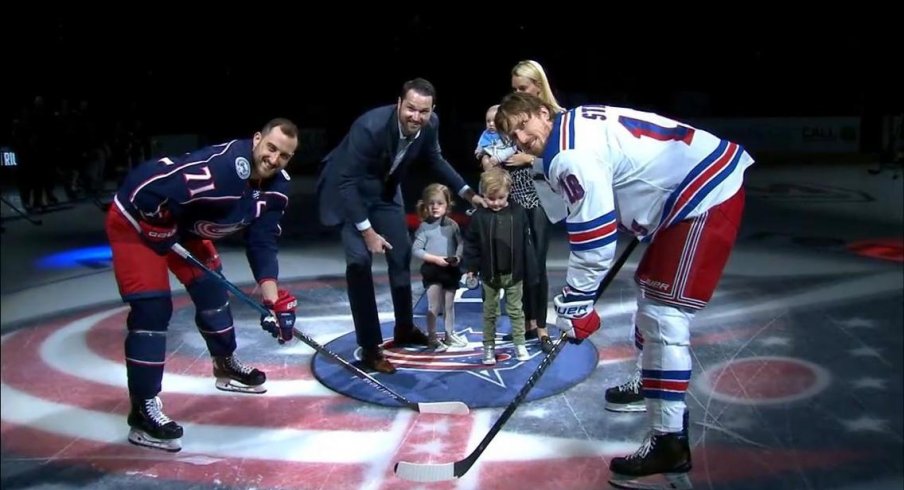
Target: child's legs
{"type": "Point", "coordinates": [514, 308]}
{"type": "Point", "coordinates": [434, 305]}
{"type": "Point", "coordinates": [490, 312]}
{"type": "Point", "coordinates": [449, 314]}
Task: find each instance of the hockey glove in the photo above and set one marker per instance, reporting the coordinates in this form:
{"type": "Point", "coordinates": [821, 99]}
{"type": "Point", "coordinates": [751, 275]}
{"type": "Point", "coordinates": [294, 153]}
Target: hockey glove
{"type": "Point", "coordinates": [282, 323]}
{"type": "Point", "coordinates": [576, 316]}
{"type": "Point", "coordinates": [205, 251]}
{"type": "Point", "coordinates": [160, 238]}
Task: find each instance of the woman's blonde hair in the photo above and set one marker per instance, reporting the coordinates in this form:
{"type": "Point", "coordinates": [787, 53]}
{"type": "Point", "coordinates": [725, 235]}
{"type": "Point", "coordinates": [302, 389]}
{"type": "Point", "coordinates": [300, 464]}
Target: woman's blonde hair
{"type": "Point", "coordinates": [534, 72]}
{"type": "Point", "coordinates": [494, 180]}
{"type": "Point", "coordinates": [429, 192]}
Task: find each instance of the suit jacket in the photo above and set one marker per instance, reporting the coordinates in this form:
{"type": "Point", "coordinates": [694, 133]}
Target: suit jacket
{"type": "Point", "coordinates": [356, 175]}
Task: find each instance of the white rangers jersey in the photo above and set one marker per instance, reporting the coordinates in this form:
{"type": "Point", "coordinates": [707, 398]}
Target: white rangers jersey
{"type": "Point", "coordinates": [619, 168]}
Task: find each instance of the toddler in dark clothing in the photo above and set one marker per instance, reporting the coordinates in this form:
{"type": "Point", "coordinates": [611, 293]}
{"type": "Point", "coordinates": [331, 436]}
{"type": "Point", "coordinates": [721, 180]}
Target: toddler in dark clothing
{"type": "Point", "coordinates": [498, 246]}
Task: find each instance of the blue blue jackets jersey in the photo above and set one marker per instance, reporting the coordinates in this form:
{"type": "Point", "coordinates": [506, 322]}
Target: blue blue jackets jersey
{"type": "Point", "coordinates": [210, 195]}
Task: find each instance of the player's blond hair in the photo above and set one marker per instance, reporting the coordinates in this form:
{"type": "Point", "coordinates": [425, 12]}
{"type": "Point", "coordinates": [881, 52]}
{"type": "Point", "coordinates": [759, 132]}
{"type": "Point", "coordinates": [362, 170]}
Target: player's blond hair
{"type": "Point", "coordinates": [534, 72]}
{"type": "Point", "coordinates": [495, 180]}
{"type": "Point", "coordinates": [513, 107]}
{"type": "Point", "coordinates": [429, 193]}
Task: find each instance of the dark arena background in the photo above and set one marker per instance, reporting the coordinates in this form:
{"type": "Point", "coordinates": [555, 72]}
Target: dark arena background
{"type": "Point", "coordinates": [797, 361]}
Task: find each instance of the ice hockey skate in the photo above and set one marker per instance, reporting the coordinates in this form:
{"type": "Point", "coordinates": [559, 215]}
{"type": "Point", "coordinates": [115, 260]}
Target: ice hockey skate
{"type": "Point", "coordinates": [626, 397]}
{"type": "Point", "coordinates": [150, 427]}
{"type": "Point", "coordinates": [233, 375]}
{"type": "Point", "coordinates": [668, 455]}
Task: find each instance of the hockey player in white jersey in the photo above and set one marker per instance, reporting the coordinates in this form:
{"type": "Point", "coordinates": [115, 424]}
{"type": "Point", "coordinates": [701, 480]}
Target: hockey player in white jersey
{"type": "Point", "coordinates": [675, 187]}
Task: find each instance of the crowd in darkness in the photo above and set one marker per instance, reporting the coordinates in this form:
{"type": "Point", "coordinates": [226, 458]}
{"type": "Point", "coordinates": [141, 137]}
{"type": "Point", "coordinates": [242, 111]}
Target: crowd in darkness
{"type": "Point", "coordinates": [202, 82]}
{"type": "Point", "coordinates": [66, 149]}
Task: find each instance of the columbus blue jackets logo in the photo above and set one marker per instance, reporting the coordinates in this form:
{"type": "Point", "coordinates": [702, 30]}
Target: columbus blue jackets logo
{"type": "Point", "coordinates": [459, 369]}
{"type": "Point", "coordinates": [242, 167]}
{"type": "Point", "coordinates": [213, 231]}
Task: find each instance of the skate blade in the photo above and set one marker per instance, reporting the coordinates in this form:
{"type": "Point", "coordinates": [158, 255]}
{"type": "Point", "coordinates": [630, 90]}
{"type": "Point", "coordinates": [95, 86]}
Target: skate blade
{"type": "Point", "coordinates": [228, 384]}
{"type": "Point", "coordinates": [618, 408]}
{"type": "Point", "coordinates": [140, 438]}
{"type": "Point", "coordinates": [673, 481]}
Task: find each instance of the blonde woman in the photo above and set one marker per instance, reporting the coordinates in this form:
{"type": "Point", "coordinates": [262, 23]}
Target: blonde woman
{"type": "Point", "coordinates": [528, 76]}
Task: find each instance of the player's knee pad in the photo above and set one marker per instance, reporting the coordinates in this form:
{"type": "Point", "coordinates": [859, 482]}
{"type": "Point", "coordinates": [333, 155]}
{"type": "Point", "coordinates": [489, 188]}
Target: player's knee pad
{"type": "Point", "coordinates": [213, 316]}
{"type": "Point", "coordinates": [212, 312]}
{"type": "Point", "coordinates": [663, 324]}
{"type": "Point", "coordinates": [150, 314]}
{"type": "Point", "coordinates": [145, 343]}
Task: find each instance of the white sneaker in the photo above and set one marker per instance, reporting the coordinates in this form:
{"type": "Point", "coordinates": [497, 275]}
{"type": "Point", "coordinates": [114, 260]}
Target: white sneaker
{"type": "Point", "coordinates": [454, 340]}
{"type": "Point", "coordinates": [435, 345]}
{"type": "Point", "coordinates": [521, 353]}
{"type": "Point", "coordinates": [489, 355]}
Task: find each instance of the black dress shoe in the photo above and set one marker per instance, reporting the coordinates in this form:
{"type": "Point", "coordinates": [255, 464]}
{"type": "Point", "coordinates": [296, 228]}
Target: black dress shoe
{"type": "Point", "coordinates": [546, 344]}
{"type": "Point", "coordinates": [409, 336]}
{"type": "Point", "coordinates": [528, 335]}
{"type": "Point", "coordinates": [374, 360]}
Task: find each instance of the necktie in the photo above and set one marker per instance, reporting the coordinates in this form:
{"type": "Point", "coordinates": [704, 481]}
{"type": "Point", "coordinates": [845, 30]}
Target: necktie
{"type": "Point", "coordinates": [404, 143]}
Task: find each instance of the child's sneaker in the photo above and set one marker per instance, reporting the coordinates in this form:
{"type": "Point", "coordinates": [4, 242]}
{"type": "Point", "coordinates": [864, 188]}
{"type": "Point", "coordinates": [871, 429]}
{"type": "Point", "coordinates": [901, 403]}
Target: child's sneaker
{"type": "Point", "coordinates": [454, 340]}
{"type": "Point", "coordinates": [435, 345]}
{"type": "Point", "coordinates": [521, 352]}
{"type": "Point", "coordinates": [489, 355]}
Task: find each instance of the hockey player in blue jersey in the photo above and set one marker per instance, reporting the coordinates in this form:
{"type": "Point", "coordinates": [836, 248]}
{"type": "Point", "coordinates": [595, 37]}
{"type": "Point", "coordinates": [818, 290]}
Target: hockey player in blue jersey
{"type": "Point", "coordinates": [194, 199]}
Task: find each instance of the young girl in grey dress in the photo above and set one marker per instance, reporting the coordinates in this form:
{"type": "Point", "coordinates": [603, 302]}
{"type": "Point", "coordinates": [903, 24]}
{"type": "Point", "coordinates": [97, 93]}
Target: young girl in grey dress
{"type": "Point", "coordinates": [438, 243]}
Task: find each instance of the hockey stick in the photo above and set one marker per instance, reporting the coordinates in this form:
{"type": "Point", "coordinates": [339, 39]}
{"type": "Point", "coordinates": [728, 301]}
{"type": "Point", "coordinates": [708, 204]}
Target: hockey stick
{"type": "Point", "coordinates": [433, 472]}
{"type": "Point", "coordinates": [36, 222]}
{"type": "Point", "coordinates": [448, 408]}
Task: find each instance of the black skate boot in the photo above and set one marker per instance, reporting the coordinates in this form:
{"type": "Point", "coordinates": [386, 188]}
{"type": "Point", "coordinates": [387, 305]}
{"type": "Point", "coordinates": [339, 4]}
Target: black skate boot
{"type": "Point", "coordinates": [152, 428]}
{"type": "Point", "coordinates": [233, 375]}
{"type": "Point", "coordinates": [665, 454]}
{"type": "Point", "coordinates": [626, 397]}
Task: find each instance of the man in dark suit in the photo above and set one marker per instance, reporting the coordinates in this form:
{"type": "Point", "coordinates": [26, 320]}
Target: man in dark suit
{"type": "Point", "coordinates": [359, 188]}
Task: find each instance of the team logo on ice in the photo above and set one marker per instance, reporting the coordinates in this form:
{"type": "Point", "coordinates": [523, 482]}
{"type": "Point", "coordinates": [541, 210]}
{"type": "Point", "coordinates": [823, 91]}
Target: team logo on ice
{"type": "Point", "coordinates": [458, 371]}
{"type": "Point", "coordinates": [242, 167]}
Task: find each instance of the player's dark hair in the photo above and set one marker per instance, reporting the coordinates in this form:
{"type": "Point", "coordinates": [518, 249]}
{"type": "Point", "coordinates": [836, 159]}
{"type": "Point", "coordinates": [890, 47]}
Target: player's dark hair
{"type": "Point", "coordinates": [288, 127]}
{"type": "Point", "coordinates": [420, 86]}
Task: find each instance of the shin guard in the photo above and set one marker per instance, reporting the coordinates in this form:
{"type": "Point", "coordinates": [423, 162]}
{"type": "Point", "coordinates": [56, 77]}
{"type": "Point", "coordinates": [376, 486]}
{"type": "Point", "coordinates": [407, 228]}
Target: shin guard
{"type": "Point", "coordinates": [666, 362]}
{"type": "Point", "coordinates": [145, 345]}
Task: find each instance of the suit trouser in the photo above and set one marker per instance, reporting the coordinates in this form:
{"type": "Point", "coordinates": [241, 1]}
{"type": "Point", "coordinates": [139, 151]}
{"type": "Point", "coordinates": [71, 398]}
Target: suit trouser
{"type": "Point", "coordinates": [536, 295]}
{"type": "Point", "coordinates": [387, 219]}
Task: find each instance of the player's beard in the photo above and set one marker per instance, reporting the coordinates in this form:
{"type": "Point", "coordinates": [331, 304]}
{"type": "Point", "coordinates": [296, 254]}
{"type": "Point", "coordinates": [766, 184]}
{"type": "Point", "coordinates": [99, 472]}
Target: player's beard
{"type": "Point", "coordinates": [265, 171]}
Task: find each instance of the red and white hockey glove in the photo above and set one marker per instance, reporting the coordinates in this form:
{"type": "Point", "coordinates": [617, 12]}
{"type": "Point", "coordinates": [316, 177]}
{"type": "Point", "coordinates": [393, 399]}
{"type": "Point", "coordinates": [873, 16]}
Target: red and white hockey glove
{"type": "Point", "coordinates": [576, 316]}
{"type": "Point", "coordinates": [281, 324]}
